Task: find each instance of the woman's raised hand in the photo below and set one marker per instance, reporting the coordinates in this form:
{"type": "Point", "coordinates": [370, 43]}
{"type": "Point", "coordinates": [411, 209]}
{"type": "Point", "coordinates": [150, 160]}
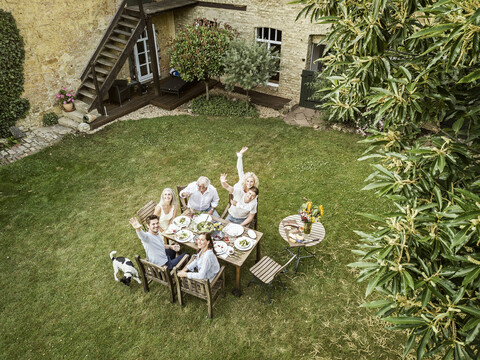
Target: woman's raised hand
{"type": "Point", "coordinates": [244, 150]}
{"type": "Point", "coordinates": [223, 178]}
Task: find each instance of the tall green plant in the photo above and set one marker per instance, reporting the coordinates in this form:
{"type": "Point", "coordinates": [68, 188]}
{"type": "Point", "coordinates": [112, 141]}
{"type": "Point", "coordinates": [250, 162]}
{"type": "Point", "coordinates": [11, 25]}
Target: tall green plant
{"type": "Point", "coordinates": [401, 63]}
{"type": "Point", "coordinates": [12, 57]}
{"type": "Point", "coordinates": [197, 51]}
{"type": "Point", "coordinates": [248, 64]}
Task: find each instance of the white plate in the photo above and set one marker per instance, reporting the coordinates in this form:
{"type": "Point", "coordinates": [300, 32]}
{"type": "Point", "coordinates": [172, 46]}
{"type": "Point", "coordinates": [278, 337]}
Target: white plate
{"type": "Point", "coordinates": [184, 236]}
{"type": "Point", "coordinates": [233, 229]}
{"type": "Point", "coordinates": [220, 247]}
{"type": "Point", "coordinates": [241, 247]}
{"type": "Point", "coordinates": [182, 221]}
{"type": "Point", "coordinates": [202, 217]}
{"type": "Point", "coordinates": [252, 234]}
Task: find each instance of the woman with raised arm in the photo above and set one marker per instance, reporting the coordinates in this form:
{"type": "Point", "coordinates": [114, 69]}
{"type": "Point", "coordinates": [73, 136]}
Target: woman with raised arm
{"type": "Point", "coordinates": [166, 209]}
{"type": "Point", "coordinates": [245, 181]}
{"type": "Point", "coordinates": [206, 262]}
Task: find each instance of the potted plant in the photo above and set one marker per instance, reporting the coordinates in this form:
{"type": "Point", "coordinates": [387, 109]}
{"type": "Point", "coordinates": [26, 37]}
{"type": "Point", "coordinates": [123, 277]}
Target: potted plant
{"type": "Point", "coordinates": [66, 98]}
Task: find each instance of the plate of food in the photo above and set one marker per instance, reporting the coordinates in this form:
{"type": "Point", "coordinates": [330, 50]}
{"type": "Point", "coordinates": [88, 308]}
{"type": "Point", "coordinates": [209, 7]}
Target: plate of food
{"type": "Point", "coordinates": [201, 218]}
{"type": "Point", "coordinates": [182, 221]}
{"type": "Point", "coordinates": [183, 236]}
{"type": "Point", "coordinates": [204, 226]}
{"type": "Point", "coordinates": [244, 243]}
{"type": "Point", "coordinates": [220, 247]}
{"type": "Point", "coordinates": [233, 229]}
{"type": "Point", "coordinates": [218, 235]}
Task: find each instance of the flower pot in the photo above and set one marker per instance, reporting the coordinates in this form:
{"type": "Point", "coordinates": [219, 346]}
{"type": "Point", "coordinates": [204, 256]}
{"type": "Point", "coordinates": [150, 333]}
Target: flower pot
{"type": "Point", "coordinates": [68, 107]}
{"type": "Point", "coordinates": [307, 227]}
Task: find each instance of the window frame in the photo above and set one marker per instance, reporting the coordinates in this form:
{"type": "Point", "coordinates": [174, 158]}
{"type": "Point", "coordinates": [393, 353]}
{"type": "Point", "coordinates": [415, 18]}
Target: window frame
{"type": "Point", "coordinates": [277, 42]}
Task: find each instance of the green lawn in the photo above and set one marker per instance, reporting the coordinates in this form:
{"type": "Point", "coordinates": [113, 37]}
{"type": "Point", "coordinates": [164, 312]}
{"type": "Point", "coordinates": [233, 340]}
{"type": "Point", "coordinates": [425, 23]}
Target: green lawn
{"type": "Point", "coordinates": [64, 209]}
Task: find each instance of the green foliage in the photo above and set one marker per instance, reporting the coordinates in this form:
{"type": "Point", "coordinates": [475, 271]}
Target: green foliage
{"type": "Point", "coordinates": [221, 106]}
{"type": "Point", "coordinates": [197, 51]}
{"type": "Point", "coordinates": [50, 119]}
{"type": "Point", "coordinates": [425, 256]}
{"type": "Point", "coordinates": [248, 64]}
{"type": "Point", "coordinates": [12, 57]}
{"type": "Point", "coordinates": [400, 64]}
{"type": "Point", "coordinates": [386, 62]}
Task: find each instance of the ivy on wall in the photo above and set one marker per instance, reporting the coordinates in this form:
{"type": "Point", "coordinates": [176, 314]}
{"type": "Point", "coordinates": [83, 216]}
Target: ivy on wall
{"type": "Point", "coordinates": [12, 57]}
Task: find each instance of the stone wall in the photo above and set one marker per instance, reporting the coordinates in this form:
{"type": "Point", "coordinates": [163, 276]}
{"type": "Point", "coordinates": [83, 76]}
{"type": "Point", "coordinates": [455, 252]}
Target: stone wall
{"type": "Point", "coordinates": [60, 37]}
{"type": "Point", "coordinates": [277, 14]}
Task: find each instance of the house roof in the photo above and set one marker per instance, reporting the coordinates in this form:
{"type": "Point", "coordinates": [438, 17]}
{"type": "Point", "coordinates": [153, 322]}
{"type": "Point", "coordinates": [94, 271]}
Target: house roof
{"type": "Point", "coordinates": [160, 6]}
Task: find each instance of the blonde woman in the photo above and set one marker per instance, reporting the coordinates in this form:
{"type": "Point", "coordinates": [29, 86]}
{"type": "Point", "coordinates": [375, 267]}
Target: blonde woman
{"type": "Point", "coordinates": [167, 208]}
{"type": "Point", "coordinates": [245, 180]}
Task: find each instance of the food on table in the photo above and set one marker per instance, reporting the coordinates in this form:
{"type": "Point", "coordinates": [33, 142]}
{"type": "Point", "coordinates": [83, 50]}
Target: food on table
{"type": "Point", "coordinates": [182, 235]}
{"type": "Point", "coordinates": [244, 243]}
{"type": "Point", "coordinates": [205, 226]}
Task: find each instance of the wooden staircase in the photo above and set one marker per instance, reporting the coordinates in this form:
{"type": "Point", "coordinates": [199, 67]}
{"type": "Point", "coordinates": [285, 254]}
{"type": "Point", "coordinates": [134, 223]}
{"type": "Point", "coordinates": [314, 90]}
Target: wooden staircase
{"type": "Point", "coordinates": [112, 52]}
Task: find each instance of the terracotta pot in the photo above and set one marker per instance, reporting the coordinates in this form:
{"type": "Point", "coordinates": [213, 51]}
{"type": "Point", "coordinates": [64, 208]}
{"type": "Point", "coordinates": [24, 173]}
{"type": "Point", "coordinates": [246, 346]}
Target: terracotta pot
{"type": "Point", "coordinates": [68, 107]}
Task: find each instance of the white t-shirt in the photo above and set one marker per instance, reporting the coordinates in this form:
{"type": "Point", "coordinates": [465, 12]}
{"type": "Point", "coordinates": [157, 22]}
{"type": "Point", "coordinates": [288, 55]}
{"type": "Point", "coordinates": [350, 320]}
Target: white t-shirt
{"type": "Point", "coordinates": [242, 209]}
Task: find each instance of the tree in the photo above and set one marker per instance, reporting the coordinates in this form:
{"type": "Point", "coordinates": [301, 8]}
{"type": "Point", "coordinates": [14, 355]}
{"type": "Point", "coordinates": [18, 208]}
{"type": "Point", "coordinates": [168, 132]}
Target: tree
{"type": "Point", "coordinates": [404, 63]}
{"type": "Point", "coordinates": [197, 51]}
{"type": "Point", "coordinates": [12, 57]}
{"type": "Point", "coordinates": [248, 65]}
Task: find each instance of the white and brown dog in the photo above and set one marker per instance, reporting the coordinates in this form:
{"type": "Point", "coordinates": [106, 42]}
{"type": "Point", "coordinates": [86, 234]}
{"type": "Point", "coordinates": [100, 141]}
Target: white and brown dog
{"type": "Point", "coordinates": [126, 266]}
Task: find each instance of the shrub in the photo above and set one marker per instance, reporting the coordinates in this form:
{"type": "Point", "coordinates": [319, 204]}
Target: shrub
{"type": "Point", "coordinates": [221, 106]}
{"type": "Point", "coordinates": [50, 119]}
{"type": "Point", "coordinates": [12, 57]}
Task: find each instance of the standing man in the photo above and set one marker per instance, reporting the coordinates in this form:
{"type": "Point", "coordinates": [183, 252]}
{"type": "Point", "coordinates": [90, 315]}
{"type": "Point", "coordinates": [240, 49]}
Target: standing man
{"type": "Point", "coordinates": [244, 204]}
{"type": "Point", "coordinates": [156, 250]}
{"type": "Point", "coordinates": [202, 196]}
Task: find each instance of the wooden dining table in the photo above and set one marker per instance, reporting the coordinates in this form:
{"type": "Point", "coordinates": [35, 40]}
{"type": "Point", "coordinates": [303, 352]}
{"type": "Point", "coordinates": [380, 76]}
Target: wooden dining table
{"type": "Point", "coordinates": [237, 259]}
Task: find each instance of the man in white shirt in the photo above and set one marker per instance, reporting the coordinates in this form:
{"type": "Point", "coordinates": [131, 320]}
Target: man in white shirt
{"type": "Point", "coordinates": [243, 206]}
{"type": "Point", "coordinates": [202, 196]}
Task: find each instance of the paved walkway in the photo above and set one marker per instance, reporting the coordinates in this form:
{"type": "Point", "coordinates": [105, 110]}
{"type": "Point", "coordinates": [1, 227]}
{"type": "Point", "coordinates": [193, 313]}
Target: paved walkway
{"type": "Point", "coordinates": [42, 137]}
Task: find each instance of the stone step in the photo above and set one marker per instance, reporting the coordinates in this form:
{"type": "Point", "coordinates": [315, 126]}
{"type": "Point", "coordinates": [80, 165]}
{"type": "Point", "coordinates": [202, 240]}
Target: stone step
{"type": "Point", "coordinates": [68, 123]}
{"type": "Point", "coordinates": [75, 115]}
{"type": "Point", "coordinates": [81, 106]}
{"type": "Point", "coordinates": [61, 130]}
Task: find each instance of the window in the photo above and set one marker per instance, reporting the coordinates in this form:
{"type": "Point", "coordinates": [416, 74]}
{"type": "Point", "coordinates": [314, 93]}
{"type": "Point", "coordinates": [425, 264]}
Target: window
{"type": "Point", "coordinates": [317, 52]}
{"type": "Point", "coordinates": [273, 39]}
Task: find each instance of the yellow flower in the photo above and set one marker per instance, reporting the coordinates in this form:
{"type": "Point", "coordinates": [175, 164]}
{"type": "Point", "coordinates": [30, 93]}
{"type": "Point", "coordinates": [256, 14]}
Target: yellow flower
{"type": "Point", "coordinates": [321, 210]}
{"type": "Point", "coordinates": [309, 206]}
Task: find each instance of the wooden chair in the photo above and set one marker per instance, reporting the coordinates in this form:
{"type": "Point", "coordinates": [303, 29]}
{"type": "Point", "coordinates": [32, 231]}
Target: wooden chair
{"type": "Point", "coordinates": [203, 289]}
{"type": "Point", "coordinates": [160, 274]}
{"type": "Point", "coordinates": [182, 201]}
{"type": "Point", "coordinates": [266, 270]}
{"type": "Point", "coordinates": [253, 223]}
{"type": "Point", "coordinates": [145, 212]}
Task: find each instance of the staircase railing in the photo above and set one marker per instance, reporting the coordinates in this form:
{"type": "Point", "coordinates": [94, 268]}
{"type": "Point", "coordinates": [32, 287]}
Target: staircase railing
{"type": "Point", "coordinates": [105, 37]}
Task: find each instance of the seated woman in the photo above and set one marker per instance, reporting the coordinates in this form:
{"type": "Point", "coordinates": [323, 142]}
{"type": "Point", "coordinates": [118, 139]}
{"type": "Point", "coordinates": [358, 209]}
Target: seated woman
{"type": "Point", "coordinates": [243, 205]}
{"type": "Point", "coordinates": [205, 262]}
{"type": "Point", "coordinates": [167, 208]}
{"type": "Point", "coordinates": [245, 181]}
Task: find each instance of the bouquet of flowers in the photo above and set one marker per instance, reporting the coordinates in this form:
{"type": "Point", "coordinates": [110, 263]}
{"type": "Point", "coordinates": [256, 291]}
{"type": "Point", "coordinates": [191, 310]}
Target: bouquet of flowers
{"type": "Point", "coordinates": [311, 213]}
{"type": "Point", "coordinates": [65, 96]}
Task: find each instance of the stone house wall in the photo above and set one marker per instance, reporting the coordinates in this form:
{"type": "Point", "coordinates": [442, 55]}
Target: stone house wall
{"type": "Point", "coordinates": [60, 38]}
{"type": "Point", "coordinates": [277, 14]}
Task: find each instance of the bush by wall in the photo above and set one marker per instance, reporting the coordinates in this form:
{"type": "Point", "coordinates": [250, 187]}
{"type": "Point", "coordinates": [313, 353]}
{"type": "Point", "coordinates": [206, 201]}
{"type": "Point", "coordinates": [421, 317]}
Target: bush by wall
{"type": "Point", "coordinates": [12, 57]}
{"type": "Point", "coordinates": [50, 119]}
{"type": "Point", "coordinates": [221, 106]}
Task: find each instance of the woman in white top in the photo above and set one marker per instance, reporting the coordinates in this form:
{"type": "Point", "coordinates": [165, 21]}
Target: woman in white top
{"type": "Point", "coordinates": [166, 210]}
{"type": "Point", "coordinates": [245, 181]}
{"type": "Point", "coordinates": [206, 262]}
